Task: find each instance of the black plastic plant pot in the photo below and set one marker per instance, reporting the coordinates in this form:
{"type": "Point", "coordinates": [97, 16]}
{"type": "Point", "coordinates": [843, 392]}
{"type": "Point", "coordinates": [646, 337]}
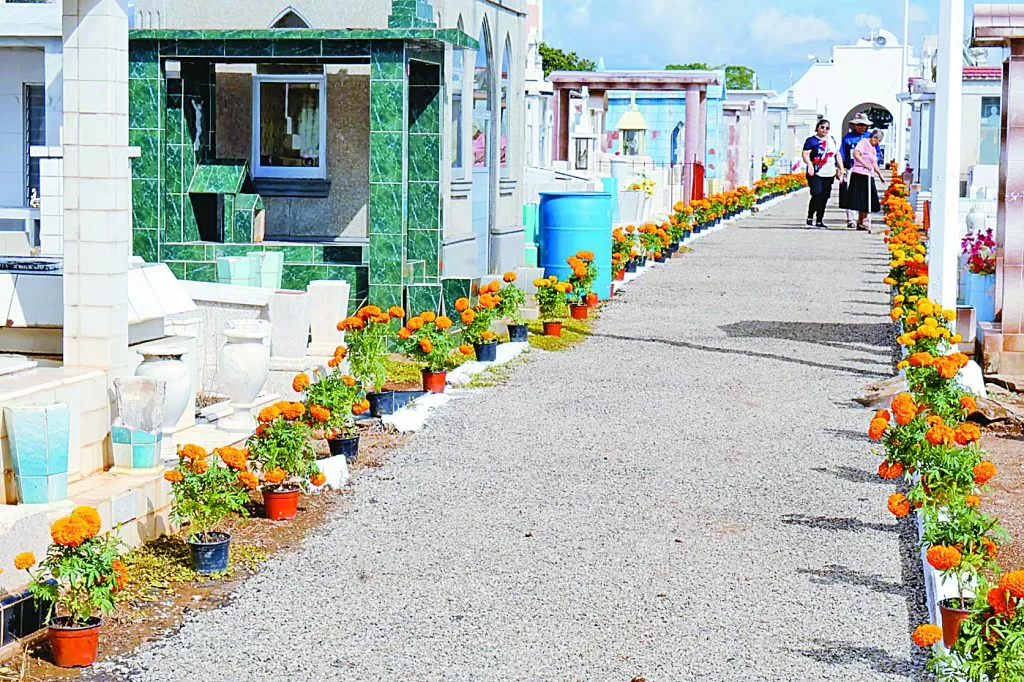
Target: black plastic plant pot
{"type": "Point", "coordinates": [381, 403]}
{"type": "Point", "coordinates": [486, 352]}
{"type": "Point", "coordinates": [518, 333]}
{"type": "Point", "coordinates": [209, 552]}
{"type": "Point", "coordinates": [344, 446]}
{"type": "Point", "coordinates": [631, 266]}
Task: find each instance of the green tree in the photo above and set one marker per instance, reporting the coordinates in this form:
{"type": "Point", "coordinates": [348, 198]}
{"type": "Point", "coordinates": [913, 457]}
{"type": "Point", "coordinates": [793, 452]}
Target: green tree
{"type": "Point", "coordinates": [555, 59]}
{"type": "Point", "coordinates": [736, 77]}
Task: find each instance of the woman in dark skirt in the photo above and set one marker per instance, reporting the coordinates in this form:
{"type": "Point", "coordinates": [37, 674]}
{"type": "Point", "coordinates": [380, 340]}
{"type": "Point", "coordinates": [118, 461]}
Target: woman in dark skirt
{"type": "Point", "coordinates": [861, 193]}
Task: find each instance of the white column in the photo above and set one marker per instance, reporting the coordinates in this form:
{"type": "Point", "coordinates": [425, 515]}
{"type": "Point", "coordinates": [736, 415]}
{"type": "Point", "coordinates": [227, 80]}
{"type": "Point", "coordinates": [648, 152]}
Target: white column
{"type": "Point", "coordinates": [944, 243]}
{"type": "Point", "coordinates": [97, 185]}
{"type": "Point", "coordinates": [901, 128]}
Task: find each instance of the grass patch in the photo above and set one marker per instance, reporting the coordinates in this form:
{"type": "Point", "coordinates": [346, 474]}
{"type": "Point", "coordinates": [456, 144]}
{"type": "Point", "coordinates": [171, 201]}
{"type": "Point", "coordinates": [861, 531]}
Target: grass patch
{"type": "Point", "coordinates": [573, 332]}
{"type": "Point", "coordinates": [498, 374]}
{"type": "Point", "coordinates": [402, 371]}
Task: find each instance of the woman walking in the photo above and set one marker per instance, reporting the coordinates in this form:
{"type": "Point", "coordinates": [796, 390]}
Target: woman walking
{"type": "Point", "coordinates": [862, 193]}
{"type": "Point", "coordinates": [821, 154]}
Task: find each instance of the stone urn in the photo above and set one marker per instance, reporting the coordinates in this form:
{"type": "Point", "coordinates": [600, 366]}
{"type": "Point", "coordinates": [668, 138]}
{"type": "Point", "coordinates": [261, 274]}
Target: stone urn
{"type": "Point", "coordinates": [39, 440]}
{"type": "Point", "coordinates": [243, 368]}
{"type": "Point", "coordinates": [165, 363]}
{"type": "Point", "coordinates": [975, 219]}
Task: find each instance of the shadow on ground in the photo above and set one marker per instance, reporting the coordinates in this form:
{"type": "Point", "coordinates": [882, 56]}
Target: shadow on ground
{"type": "Point", "coordinates": [844, 653]}
{"type": "Point", "coordinates": [837, 523]}
{"type": "Point", "coordinates": [832, 334]}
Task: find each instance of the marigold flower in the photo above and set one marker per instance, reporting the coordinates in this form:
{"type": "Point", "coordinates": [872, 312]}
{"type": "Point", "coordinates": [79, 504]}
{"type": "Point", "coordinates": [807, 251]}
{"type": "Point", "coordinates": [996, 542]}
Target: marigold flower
{"type": "Point", "coordinates": [487, 335]}
{"type": "Point", "coordinates": [898, 505]}
{"type": "Point", "coordinates": [972, 501]}
{"type": "Point", "coordinates": [967, 432]}
{"type": "Point", "coordinates": [990, 547]}
{"type": "Point", "coordinates": [468, 316]}
{"type": "Point", "coordinates": [462, 304]}
{"type": "Point", "coordinates": [358, 409]}
{"type": "Point", "coordinates": [90, 517]}
{"type": "Point", "coordinates": [904, 408]}
{"type": "Point", "coordinates": [509, 277]}
{"type": "Point", "coordinates": [426, 346]}
{"type": "Point", "coordinates": [404, 333]}
{"type": "Point", "coordinates": [968, 404]}
{"type": "Point", "coordinates": [921, 359]}
{"type": "Point", "coordinates": [200, 466]}
{"type": "Point", "coordinates": [174, 476]}
{"type": "Point", "coordinates": [348, 380]}
{"type": "Point", "coordinates": [890, 471]}
{"type": "Point", "coordinates": [428, 316]}
{"type": "Point", "coordinates": [248, 480]}
{"type": "Point", "coordinates": [883, 414]}
{"type": "Point", "coordinates": [24, 560]}
{"type": "Point", "coordinates": [877, 427]}
{"type": "Point", "coordinates": [318, 479]}
{"type": "Point", "coordinates": [415, 323]}
{"type": "Point", "coordinates": [192, 452]}
{"type": "Point", "coordinates": [1013, 582]}
{"type": "Point", "coordinates": [940, 434]}
{"type": "Point", "coordinates": [274, 476]}
{"type": "Point", "coordinates": [999, 599]}
{"type": "Point", "coordinates": [233, 458]}
{"type": "Point", "coordinates": [443, 322]}
{"type": "Point", "coordinates": [318, 413]}
{"type": "Point", "coordinates": [984, 472]}
{"type": "Point", "coordinates": [396, 312]}
{"type": "Point", "coordinates": [943, 558]}
{"type": "Point", "coordinates": [292, 411]}
{"type": "Point", "coordinates": [268, 414]}
{"type": "Point", "coordinates": [333, 362]}
{"type": "Point", "coordinates": [69, 531]}
{"type": "Point", "coordinates": [466, 349]}
{"type": "Point", "coordinates": [300, 383]}
{"type": "Point", "coordinates": [927, 635]}
{"type": "Point", "coordinates": [946, 367]}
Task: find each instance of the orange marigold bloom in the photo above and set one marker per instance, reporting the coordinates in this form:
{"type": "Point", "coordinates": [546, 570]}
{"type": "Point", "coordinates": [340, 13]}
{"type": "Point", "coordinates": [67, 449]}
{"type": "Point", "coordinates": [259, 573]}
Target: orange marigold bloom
{"type": "Point", "coordinates": [494, 287]}
{"type": "Point", "coordinates": [233, 458]}
{"type": "Point", "coordinates": [940, 434]}
{"type": "Point", "coordinates": [960, 359]}
{"type": "Point", "coordinates": [972, 501]}
{"type": "Point", "coordinates": [192, 452]}
{"type": "Point", "coordinates": [248, 480]}
{"type": "Point", "coordinates": [488, 335]}
{"type": "Point", "coordinates": [428, 316]}
{"type": "Point", "coordinates": [415, 323]}
{"type": "Point", "coordinates": [318, 413]}
{"type": "Point", "coordinates": [268, 414]}
{"type": "Point", "coordinates": [509, 277]}
{"type": "Point", "coordinates": [90, 517]}
{"type": "Point", "coordinates": [300, 383]}
{"type": "Point", "coordinates": [905, 409]}
{"type": "Point", "coordinates": [358, 409]}
{"type": "Point", "coordinates": [69, 531]}
{"type": "Point", "coordinates": [200, 466]}
{"type": "Point", "coordinates": [461, 305]}
{"type": "Point", "coordinates": [984, 472]}
{"type": "Point", "coordinates": [340, 352]}
{"type": "Point", "coordinates": [468, 316]}
{"type": "Point", "coordinates": [426, 346]}
{"type": "Point", "coordinates": [946, 367]}
{"type": "Point", "coordinates": [404, 333]}
{"type": "Point", "coordinates": [274, 476]}
{"type": "Point", "coordinates": [968, 404]}
{"type": "Point", "coordinates": [333, 362]}
{"type": "Point", "coordinates": [293, 411]}
{"type": "Point", "coordinates": [443, 323]}
{"type": "Point", "coordinates": [348, 381]}
{"type": "Point", "coordinates": [466, 349]}
{"type": "Point", "coordinates": [922, 359]}
{"type": "Point", "coordinates": [318, 479]}
{"type": "Point", "coordinates": [883, 414]}
{"type": "Point", "coordinates": [967, 432]}
{"type": "Point", "coordinates": [369, 311]}
{"type": "Point", "coordinates": [24, 560]}
{"type": "Point", "coordinates": [877, 427]}
{"type": "Point", "coordinates": [927, 635]}
{"type": "Point", "coordinates": [1013, 582]}
{"type": "Point", "coordinates": [999, 599]}
{"type": "Point", "coordinates": [890, 471]}
{"type": "Point", "coordinates": [396, 312]}
{"type": "Point", "coordinates": [990, 547]}
{"type": "Point", "coordinates": [899, 505]}
{"type": "Point", "coordinates": [174, 476]}
{"type": "Point", "coordinates": [943, 558]}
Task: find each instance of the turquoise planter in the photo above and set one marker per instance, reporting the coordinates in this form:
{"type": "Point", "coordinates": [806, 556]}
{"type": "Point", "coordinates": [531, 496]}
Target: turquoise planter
{"type": "Point", "coordinates": [39, 438]}
{"type": "Point", "coordinates": [135, 448]}
{"type": "Point", "coordinates": [981, 295]}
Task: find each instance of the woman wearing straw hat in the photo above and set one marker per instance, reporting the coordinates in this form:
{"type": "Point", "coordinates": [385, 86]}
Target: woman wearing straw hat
{"type": "Point", "coordinates": [862, 193]}
{"type": "Point", "coordinates": [858, 131]}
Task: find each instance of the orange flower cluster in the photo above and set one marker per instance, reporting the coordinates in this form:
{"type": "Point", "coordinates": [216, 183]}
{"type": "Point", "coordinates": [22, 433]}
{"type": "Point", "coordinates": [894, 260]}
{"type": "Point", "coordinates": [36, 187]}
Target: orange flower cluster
{"type": "Point", "coordinates": [368, 315]}
{"type": "Point", "coordinates": [943, 558]}
{"type": "Point", "coordinates": [318, 413]}
{"type": "Point", "coordinates": [248, 480]}
{"type": "Point", "coordinates": [899, 505]}
{"type": "Point", "coordinates": [174, 476]}
{"type": "Point", "coordinates": [904, 408]}
{"type": "Point", "coordinates": [274, 476]}
{"type": "Point", "coordinates": [24, 560]}
{"type": "Point", "coordinates": [927, 635]}
{"type": "Point", "coordinates": [300, 383]}
{"type": "Point", "coordinates": [120, 574]}
{"type": "Point", "coordinates": [71, 531]}
{"type": "Point", "coordinates": [318, 479]}
{"type": "Point", "coordinates": [362, 407]}
{"type": "Point", "coordinates": [890, 471]}
{"type": "Point", "coordinates": [984, 472]}
{"type": "Point", "coordinates": [233, 458]}
{"type": "Point", "coordinates": [1003, 598]}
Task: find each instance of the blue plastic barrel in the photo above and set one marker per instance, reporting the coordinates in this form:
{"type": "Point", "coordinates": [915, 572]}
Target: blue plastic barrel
{"type": "Point", "coordinates": [576, 221]}
{"type": "Point", "coordinates": [611, 185]}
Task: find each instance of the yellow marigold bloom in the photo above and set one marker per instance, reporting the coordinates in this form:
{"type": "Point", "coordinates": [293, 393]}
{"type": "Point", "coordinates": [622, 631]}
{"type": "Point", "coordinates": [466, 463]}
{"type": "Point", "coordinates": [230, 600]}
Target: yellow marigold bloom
{"type": "Point", "coordinates": [899, 299]}
{"type": "Point", "coordinates": [24, 560]}
{"type": "Point", "coordinates": [950, 315]}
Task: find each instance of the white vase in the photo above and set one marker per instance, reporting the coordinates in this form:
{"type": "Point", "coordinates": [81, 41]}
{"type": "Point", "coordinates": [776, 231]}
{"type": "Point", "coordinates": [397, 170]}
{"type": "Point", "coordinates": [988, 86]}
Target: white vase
{"type": "Point", "coordinates": [243, 368]}
{"type": "Point", "coordinates": [165, 363]}
{"type": "Point", "coordinates": [975, 219]}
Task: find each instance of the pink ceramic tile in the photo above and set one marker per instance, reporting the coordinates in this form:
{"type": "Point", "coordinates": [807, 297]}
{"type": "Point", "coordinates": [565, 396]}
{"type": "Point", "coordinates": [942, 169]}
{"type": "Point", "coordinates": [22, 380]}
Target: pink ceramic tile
{"type": "Point", "coordinates": [1013, 343]}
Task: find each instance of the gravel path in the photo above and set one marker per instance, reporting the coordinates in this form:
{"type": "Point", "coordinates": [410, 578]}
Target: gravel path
{"type": "Point", "coordinates": [687, 496]}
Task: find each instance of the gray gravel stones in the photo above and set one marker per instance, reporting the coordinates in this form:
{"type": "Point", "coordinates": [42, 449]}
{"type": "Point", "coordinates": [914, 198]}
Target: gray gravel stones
{"type": "Point", "coordinates": [686, 496]}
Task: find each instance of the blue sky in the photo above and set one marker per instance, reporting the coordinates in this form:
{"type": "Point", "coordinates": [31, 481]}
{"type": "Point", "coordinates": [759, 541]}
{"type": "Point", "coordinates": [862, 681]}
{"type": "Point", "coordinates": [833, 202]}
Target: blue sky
{"type": "Point", "coordinates": [774, 37]}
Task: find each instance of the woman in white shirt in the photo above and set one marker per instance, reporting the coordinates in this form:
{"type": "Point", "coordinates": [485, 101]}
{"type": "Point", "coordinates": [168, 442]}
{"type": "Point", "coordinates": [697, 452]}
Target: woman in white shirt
{"type": "Point", "coordinates": [824, 165]}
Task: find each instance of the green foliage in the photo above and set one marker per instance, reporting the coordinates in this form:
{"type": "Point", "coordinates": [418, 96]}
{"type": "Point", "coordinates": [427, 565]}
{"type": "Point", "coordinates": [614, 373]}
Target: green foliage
{"type": "Point", "coordinates": [368, 351]}
{"type": "Point", "coordinates": [512, 300]}
{"type": "Point", "coordinates": [403, 371]}
{"type": "Point", "coordinates": [555, 59]}
{"type": "Point", "coordinates": [478, 330]}
{"type": "Point", "coordinates": [337, 393]}
{"type": "Point", "coordinates": [573, 332]}
{"type": "Point", "coordinates": [584, 272]}
{"type": "Point", "coordinates": [284, 444]}
{"type": "Point", "coordinates": [553, 298]}
{"type": "Point", "coordinates": [78, 581]}
{"type": "Point", "coordinates": [205, 499]}
{"type": "Point", "coordinates": [431, 344]}
{"type": "Point", "coordinates": [736, 77]}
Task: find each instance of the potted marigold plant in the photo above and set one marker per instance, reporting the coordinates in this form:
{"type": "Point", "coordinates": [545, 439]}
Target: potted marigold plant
{"type": "Point", "coordinates": [78, 578]}
{"type": "Point", "coordinates": [621, 247]}
{"type": "Point", "coordinates": [584, 272]}
{"type": "Point", "coordinates": [476, 322]}
{"type": "Point", "coordinates": [553, 300]}
{"type": "Point", "coordinates": [428, 338]}
{"type": "Point", "coordinates": [511, 300]}
{"type": "Point", "coordinates": [369, 334]}
{"type": "Point", "coordinates": [332, 402]}
{"type": "Point", "coordinates": [205, 493]}
{"type": "Point", "coordinates": [282, 449]}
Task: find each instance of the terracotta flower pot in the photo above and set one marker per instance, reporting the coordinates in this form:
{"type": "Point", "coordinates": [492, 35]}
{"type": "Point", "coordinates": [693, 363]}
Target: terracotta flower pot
{"type": "Point", "coordinates": [579, 312]}
{"type": "Point", "coordinates": [434, 382]}
{"type": "Point", "coordinates": [592, 299]}
{"type": "Point", "coordinates": [951, 619]}
{"type": "Point", "coordinates": [281, 505]}
{"type": "Point", "coordinates": [74, 647]}
{"type": "Point", "coordinates": [552, 329]}
{"type": "Point", "coordinates": [620, 275]}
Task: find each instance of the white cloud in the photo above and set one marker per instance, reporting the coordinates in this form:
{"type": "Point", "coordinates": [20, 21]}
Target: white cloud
{"type": "Point", "coordinates": [772, 29]}
{"type": "Point", "coordinates": [580, 15]}
{"type": "Point", "coordinates": [869, 20]}
{"type": "Point", "coordinates": [919, 15]}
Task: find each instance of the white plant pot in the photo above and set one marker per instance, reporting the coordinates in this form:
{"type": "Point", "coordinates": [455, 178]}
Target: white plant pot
{"type": "Point", "coordinates": [243, 368]}
{"type": "Point", "coordinates": [975, 219]}
{"type": "Point", "coordinates": [165, 363]}
{"type": "Point", "coordinates": [631, 206]}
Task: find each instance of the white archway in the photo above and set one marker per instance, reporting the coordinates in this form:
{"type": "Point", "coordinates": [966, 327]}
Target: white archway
{"type": "Point", "coordinates": [289, 17]}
